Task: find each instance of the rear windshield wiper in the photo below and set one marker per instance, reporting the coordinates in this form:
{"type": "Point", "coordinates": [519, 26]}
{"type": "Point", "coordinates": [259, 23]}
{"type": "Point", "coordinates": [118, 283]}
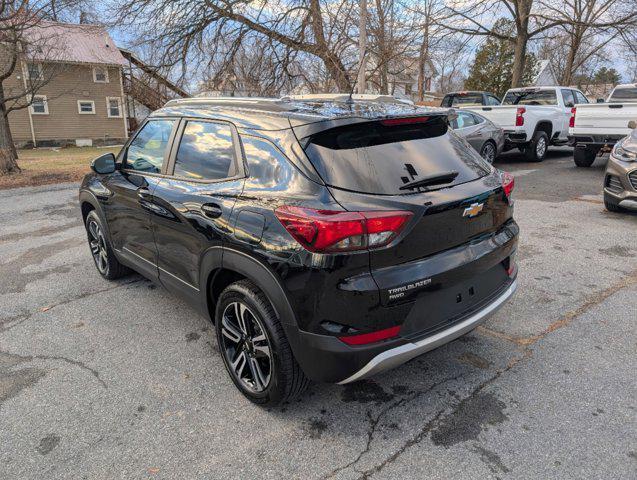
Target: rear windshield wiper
{"type": "Point", "coordinates": [437, 179]}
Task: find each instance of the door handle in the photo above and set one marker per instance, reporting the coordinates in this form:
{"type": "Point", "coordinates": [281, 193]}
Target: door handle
{"type": "Point", "coordinates": [211, 210]}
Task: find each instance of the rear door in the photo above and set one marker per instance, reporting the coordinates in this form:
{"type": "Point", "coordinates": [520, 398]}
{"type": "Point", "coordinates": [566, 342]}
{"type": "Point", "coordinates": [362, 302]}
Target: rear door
{"type": "Point", "coordinates": [194, 202]}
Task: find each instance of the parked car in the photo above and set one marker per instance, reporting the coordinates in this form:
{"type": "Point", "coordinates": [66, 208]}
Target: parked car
{"type": "Point", "coordinates": [457, 99]}
{"type": "Point", "coordinates": [327, 240]}
{"type": "Point", "coordinates": [534, 118]}
{"type": "Point", "coordinates": [596, 127]}
{"type": "Point", "coordinates": [620, 181]}
{"type": "Point", "coordinates": [481, 133]}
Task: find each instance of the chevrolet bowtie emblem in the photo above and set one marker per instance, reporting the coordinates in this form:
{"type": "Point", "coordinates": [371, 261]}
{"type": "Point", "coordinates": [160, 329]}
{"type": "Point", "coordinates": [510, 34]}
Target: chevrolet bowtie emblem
{"type": "Point", "coordinates": [473, 210]}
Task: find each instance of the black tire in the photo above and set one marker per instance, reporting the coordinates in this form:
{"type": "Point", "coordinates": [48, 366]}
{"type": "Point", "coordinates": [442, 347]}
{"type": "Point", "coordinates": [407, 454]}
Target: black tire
{"type": "Point", "coordinates": [536, 150]}
{"type": "Point", "coordinates": [584, 157]}
{"type": "Point", "coordinates": [105, 261]}
{"type": "Point", "coordinates": [286, 380]}
{"type": "Point", "coordinates": [611, 204]}
{"type": "Point", "coordinates": [489, 151]}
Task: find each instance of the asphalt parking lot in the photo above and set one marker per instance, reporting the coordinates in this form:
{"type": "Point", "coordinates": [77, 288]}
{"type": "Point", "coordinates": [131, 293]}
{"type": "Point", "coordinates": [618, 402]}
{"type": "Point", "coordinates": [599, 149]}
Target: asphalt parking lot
{"type": "Point", "coordinates": [106, 380]}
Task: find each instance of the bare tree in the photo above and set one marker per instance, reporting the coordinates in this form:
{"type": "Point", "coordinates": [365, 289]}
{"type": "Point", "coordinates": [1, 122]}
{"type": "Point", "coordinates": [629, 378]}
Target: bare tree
{"type": "Point", "coordinates": [585, 26]}
{"type": "Point", "coordinates": [185, 28]}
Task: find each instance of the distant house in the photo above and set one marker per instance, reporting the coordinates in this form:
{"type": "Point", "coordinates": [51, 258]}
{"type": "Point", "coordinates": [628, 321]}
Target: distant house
{"type": "Point", "coordinates": [404, 85]}
{"type": "Point", "coordinates": [81, 100]}
{"type": "Point", "coordinates": [545, 76]}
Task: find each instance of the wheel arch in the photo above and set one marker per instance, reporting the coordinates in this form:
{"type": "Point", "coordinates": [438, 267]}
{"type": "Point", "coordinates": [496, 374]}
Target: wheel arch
{"type": "Point", "coordinates": [545, 126]}
{"type": "Point", "coordinates": [88, 203]}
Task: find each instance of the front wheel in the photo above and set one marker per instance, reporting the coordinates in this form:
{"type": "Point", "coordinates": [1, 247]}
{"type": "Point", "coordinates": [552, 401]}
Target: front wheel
{"type": "Point", "coordinates": [536, 150]}
{"type": "Point", "coordinates": [583, 157]}
{"type": "Point", "coordinates": [254, 347]}
{"type": "Point", "coordinates": [107, 265]}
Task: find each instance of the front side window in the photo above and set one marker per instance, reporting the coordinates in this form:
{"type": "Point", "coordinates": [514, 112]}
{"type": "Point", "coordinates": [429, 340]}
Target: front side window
{"type": "Point", "coordinates": [100, 75]}
{"type": "Point", "coordinates": [206, 152]}
{"type": "Point", "coordinates": [492, 100]}
{"type": "Point", "coordinates": [114, 107]}
{"type": "Point", "coordinates": [579, 97]}
{"type": "Point", "coordinates": [624, 95]}
{"type": "Point", "coordinates": [530, 97]}
{"type": "Point", "coordinates": [146, 152]}
{"type": "Point", "coordinates": [39, 105]}
{"type": "Point", "coordinates": [85, 107]}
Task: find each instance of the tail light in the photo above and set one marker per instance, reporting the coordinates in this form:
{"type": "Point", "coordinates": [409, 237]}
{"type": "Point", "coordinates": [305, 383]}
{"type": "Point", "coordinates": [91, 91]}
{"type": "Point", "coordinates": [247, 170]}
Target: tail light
{"type": "Point", "coordinates": [508, 182]}
{"type": "Point", "coordinates": [325, 231]}
{"type": "Point", "coordinates": [571, 122]}
{"type": "Point", "coordinates": [519, 116]}
{"type": "Point", "coordinates": [373, 337]}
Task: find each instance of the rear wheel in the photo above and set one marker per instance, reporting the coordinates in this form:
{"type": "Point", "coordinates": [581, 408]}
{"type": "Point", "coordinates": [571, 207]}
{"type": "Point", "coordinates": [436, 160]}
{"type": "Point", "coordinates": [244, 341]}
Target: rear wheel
{"type": "Point", "coordinates": [107, 265]}
{"type": "Point", "coordinates": [536, 150]}
{"type": "Point", "coordinates": [488, 151]}
{"type": "Point", "coordinates": [611, 204]}
{"type": "Point", "coordinates": [583, 156]}
{"type": "Point", "coordinates": [254, 347]}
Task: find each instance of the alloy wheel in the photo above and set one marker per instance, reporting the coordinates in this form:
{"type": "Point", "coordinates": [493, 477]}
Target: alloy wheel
{"type": "Point", "coordinates": [246, 347]}
{"type": "Point", "coordinates": [488, 152]}
{"type": "Point", "coordinates": [98, 246]}
{"type": "Point", "coordinates": [540, 147]}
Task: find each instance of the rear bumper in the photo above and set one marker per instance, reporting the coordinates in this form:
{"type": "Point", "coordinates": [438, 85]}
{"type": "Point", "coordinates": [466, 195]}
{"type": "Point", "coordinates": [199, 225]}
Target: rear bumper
{"type": "Point", "coordinates": [594, 141]}
{"type": "Point", "coordinates": [397, 356]}
{"type": "Point", "coordinates": [512, 138]}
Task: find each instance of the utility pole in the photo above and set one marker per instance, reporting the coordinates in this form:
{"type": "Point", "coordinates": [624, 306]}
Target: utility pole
{"type": "Point", "coordinates": [362, 46]}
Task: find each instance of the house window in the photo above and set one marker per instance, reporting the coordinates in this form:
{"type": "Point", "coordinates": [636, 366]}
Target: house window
{"type": "Point", "coordinates": [85, 107]}
{"type": "Point", "coordinates": [114, 107]}
{"type": "Point", "coordinates": [39, 105]}
{"type": "Point", "coordinates": [100, 75]}
{"type": "Point", "coordinates": [34, 71]}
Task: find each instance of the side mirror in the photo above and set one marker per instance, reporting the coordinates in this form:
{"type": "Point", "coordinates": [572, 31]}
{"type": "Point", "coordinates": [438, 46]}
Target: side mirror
{"type": "Point", "coordinates": [632, 124]}
{"type": "Point", "coordinates": [600, 100]}
{"type": "Point", "coordinates": [104, 164]}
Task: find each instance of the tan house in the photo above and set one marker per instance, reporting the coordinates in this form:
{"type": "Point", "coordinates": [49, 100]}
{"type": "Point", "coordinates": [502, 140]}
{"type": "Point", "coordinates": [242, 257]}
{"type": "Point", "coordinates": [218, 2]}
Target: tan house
{"type": "Point", "coordinates": [81, 98]}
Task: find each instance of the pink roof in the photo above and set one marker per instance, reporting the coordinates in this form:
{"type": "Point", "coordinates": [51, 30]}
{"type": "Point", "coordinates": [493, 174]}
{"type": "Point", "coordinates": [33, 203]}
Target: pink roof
{"type": "Point", "coordinates": [66, 42]}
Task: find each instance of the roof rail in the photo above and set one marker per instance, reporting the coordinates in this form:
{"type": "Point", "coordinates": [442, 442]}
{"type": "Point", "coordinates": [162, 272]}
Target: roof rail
{"type": "Point", "coordinates": [270, 103]}
{"type": "Point", "coordinates": [345, 97]}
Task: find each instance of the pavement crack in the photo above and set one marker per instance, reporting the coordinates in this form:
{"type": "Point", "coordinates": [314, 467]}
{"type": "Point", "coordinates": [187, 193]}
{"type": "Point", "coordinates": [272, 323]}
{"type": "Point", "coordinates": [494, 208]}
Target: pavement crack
{"type": "Point", "coordinates": [12, 322]}
{"type": "Point", "coordinates": [70, 361]}
{"type": "Point", "coordinates": [374, 422]}
{"type": "Point", "coordinates": [593, 301]}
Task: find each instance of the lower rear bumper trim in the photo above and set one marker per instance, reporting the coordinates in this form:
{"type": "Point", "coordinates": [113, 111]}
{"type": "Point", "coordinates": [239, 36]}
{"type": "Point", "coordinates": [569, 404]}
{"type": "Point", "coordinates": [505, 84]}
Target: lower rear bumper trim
{"type": "Point", "coordinates": [397, 356]}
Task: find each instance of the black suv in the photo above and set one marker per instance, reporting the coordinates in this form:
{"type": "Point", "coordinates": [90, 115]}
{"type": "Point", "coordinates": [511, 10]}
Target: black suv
{"type": "Point", "coordinates": [326, 239]}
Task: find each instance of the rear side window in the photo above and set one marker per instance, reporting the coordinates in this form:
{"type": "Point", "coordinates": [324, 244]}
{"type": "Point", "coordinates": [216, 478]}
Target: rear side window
{"type": "Point", "coordinates": [491, 100]}
{"type": "Point", "coordinates": [530, 97]}
{"type": "Point", "coordinates": [206, 152]}
{"type": "Point", "coordinates": [377, 158]}
{"type": "Point", "coordinates": [624, 95]}
{"type": "Point", "coordinates": [146, 151]}
{"type": "Point", "coordinates": [569, 99]}
{"type": "Point", "coordinates": [463, 120]}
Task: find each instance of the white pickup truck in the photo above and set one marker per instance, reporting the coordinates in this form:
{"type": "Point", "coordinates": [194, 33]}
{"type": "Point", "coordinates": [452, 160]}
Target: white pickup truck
{"type": "Point", "coordinates": [596, 127]}
{"type": "Point", "coordinates": [533, 118]}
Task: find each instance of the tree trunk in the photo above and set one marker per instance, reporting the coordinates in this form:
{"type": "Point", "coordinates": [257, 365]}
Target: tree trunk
{"type": "Point", "coordinates": [8, 154]}
{"type": "Point", "coordinates": [519, 60]}
{"type": "Point", "coordinates": [362, 46]}
{"type": "Point", "coordinates": [422, 62]}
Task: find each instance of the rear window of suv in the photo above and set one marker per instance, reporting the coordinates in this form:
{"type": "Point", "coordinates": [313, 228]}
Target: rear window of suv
{"type": "Point", "coordinates": [624, 95]}
{"type": "Point", "coordinates": [530, 97]}
{"type": "Point", "coordinates": [378, 158]}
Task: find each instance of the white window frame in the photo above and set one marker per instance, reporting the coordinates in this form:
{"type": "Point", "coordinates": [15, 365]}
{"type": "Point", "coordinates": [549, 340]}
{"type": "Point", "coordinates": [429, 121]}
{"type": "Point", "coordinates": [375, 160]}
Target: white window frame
{"type": "Point", "coordinates": [79, 107]}
{"type": "Point", "coordinates": [40, 75]}
{"type": "Point", "coordinates": [105, 70]}
{"type": "Point", "coordinates": [108, 107]}
{"type": "Point", "coordinates": [44, 101]}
